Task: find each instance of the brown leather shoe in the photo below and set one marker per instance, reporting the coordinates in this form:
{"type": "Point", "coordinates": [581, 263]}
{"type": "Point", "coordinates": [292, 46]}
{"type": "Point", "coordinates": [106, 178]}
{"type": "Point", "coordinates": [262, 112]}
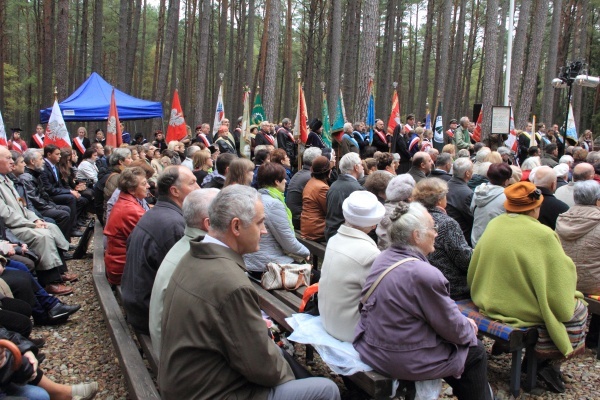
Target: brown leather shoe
{"type": "Point", "coordinates": [68, 277]}
{"type": "Point", "coordinates": [58, 289]}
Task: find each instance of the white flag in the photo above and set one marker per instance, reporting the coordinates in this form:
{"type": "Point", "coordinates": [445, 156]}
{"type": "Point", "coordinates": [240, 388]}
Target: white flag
{"type": "Point", "coordinates": [56, 130]}
{"type": "Point", "coordinates": [3, 139]}
{"type": "Point", "coordinates": [219, 112]}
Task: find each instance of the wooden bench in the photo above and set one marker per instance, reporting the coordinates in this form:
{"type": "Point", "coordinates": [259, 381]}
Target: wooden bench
{"type": "Point", "coordinates": [138, 378]}
{"type": "Point", "coordinates": [281, 304]}
{"type": "Point", "coordinates": [317, 250]}
{"type": "Point", "coordinates": [594, 308]}
{"type": "Point", "coordinates": [514, 338]}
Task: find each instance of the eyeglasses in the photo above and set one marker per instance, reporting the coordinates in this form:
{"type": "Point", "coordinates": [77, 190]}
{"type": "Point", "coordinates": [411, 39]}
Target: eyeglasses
{"type": "Point", "coordinates": [434, 228]}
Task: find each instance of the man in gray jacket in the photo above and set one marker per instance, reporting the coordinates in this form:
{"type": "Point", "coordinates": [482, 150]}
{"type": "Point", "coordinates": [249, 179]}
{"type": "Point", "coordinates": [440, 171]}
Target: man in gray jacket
{"type": "Point", "coordinates": [214, 343]}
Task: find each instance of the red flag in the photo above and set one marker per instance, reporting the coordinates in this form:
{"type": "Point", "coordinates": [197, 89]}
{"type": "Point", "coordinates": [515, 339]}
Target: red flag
{"type": "Point", "coordinates": [113, 131]}
{"type": "Point", "coordinates": [56, 130]}
{"type": "Point", "coordinates": [176, 129]}
{"type": "Point", "coordinates": [477, 130]}
{"type": "Point", "coordinates": [395, 115]}
{"type": "Point", "coordinates": [300, 128]}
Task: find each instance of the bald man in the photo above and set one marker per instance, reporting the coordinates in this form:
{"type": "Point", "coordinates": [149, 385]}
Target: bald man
{"type": "Point", "coordinates": [581, 172]}
{"type": "Point", "coordinates": [544, 179]}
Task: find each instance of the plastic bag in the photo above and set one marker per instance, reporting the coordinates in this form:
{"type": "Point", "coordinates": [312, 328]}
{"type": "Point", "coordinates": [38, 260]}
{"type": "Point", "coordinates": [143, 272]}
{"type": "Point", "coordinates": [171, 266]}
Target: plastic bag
{"type": "Point", "coordinates": [428, 390]}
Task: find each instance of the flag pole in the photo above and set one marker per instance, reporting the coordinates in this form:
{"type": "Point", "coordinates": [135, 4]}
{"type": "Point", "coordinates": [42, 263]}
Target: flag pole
{"type": "Point", "coordinates": [299, 74]}
{"type": "Point", "coordinates": [509, 45]}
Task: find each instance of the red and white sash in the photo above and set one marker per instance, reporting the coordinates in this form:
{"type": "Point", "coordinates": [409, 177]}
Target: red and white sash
{"type": "Point", "coordinates": [79, 143]}
{"type": "Point", "coordinates": [381, 135]}
{"type": "Point", "coordinates": [287, 133]}
{"type": "Point", "coordinates": [204, 139]}
{"type": "Point", "coordinates": [39, 140]}
{"type": "Point", "coordinates": [16, 146]}
{"type": "Point", "coordinates": [268, 137]}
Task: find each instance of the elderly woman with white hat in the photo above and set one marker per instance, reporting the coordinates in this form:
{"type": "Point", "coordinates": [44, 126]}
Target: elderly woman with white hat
{"type": "Point", "coordinates": [347, 264]}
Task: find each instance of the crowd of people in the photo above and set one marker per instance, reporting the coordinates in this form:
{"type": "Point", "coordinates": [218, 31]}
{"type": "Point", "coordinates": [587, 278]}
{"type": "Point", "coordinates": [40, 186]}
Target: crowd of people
{"type": "Point", "coordinates": [408, 229]}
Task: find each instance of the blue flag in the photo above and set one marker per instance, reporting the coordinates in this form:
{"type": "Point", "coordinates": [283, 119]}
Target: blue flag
{"type": "Point", "coordinates": [371, 116]}
{"type": "Point", "coordinates": [428, 119]}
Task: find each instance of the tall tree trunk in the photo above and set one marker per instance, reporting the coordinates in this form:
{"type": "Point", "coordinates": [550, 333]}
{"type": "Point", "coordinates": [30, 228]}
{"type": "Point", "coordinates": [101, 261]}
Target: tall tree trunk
{"type": "Point", "coordinates": [350, 66]}
{"type": "Point", "coordinates": [132, 42]}
{"type": "Point", "coordinates": [142, 54]}
{"type": "Point", "coordinates": [48, 57]}
{"type": "Point", "coordinates": [201, 75]}
{"type": "Point", "coordinates": [83, 47]}
{"type": "Point", "coordinates": [170, 39]}
{"type": "Point", "coordinates": [533, 62]}
{"type": "Point", "coordinates": [272, 57]}
{"type": "Point", "coordinates": [159, 47]}
{"type": "Point", "coordinates": [444, 60]}
{"type": "Point", "coordinates": [2, 52]}
{"type": "Point", "coordinates": [62, 38]}
{"type": "Point", "coordinates": [489, 78]}
{"type": "Point", "coordinates": [579, 53]}
{"type": "Point", "coordinates": [97, 36]}
{"type": "Point", "coordinates": [451, 105]}
{"type": "Point", "coordinates": [368, 41]}
{"type": "Point", "coordinates": [250, 44]}
{"type": "Point", "coordinates": [221, 67]}
{"type": "Point", "coordinates": [386, 62]}
{"type": "Point", "coordinates": [546, 114]}
{"type": "Point", "coordinates": [336, 56]}
{"type": "Point", "coordinates": [74, 49]}
{"type": "Point", "coordinates": [504, 5]}
{"type": "Point", "coordinates": [424, 76]}
{"type": "Point", "coordinates": [124, 24]}
{"type": "Point", "coordinates": [288, 68]}
{"type": "Point", "coordinates": [518, 55]}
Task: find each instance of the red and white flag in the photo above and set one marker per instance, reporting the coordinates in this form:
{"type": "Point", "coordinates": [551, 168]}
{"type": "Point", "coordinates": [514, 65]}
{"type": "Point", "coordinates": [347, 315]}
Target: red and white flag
{"type": "Point", "coordinates": [300, 125]}
{"type": "Point", "coordinates": [394, 120]}
{"type": "Point", "coordinates": [177, 129]}
{"type": "Point", "coordinates": [56, 130]}
{"type": "Point", "coordinates": [113, 130]}
{"type": "Point", "coordinates": [512, 142]}
{"type": "Point", "coordinates": [3, 139]}
{"type": "Point", "coordinates": [477, 131]}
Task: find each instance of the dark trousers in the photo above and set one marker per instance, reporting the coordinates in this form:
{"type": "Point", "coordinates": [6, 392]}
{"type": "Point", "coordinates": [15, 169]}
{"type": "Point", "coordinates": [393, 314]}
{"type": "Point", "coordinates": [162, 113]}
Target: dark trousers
{"type": "Point", "coordinates": [473, 383]}
{"type": "Point", "coordinates": [77, 206]}
{"type": "Point", "coordinates": [64, 219]}
{"type": "Point", "coordinates": [44, 299]}
{"type": "Point", "coordinates": [15, 316]}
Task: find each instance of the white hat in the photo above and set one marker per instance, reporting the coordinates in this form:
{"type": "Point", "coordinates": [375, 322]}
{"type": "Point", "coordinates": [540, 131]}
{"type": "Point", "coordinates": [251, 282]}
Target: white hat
{"type": "Point", "coordinates": [561, 170]}
{"type": "Point", "coordinates": [362, 209]}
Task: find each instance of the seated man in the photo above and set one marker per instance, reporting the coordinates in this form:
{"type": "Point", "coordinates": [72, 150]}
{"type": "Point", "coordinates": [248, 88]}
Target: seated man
{"type": "Point", "coordinates": [30, 177]}
{"type": "Point", "coordinates": [152, 238]}
{"type": "Point", "coordinates": [347, 264]}
{"type": "Point", "coordinates": [43, 238]}
{"type": "Point", "coordinates": [195, 213]}
{"type": "Point", "coordinates": [293, 200]}
{"type": "Point", "coordinates": [212, 326]}
{"type": "Point", "coordinates": [55, 189]}
{"type": "Point", "coordinates": [544, 179]}
{"type": "Point", "coordinates": [529, 281]}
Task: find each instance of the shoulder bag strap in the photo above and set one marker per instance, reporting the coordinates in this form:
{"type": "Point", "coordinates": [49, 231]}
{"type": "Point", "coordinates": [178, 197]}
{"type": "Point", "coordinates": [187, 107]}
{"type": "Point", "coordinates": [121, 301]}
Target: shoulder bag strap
{"type": "Point", "coordinates": [383, 274]}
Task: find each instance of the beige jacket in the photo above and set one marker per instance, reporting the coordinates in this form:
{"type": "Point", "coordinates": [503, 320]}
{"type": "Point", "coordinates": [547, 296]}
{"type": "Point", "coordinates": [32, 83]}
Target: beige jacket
{"type": "Point", "coordinates": [579, 233]}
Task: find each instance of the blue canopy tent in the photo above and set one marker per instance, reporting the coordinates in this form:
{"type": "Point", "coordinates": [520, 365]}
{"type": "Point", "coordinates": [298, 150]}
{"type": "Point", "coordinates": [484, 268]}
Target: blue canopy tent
{"type": "Point", "coordinates": [90, 102]}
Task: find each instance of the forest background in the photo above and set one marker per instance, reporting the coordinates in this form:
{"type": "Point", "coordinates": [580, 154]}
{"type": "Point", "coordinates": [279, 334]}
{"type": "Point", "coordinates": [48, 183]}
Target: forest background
{"type": "Point", "coordinates": [448, 50]}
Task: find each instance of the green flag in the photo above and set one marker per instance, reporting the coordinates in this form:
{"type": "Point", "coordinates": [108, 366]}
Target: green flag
{"type": "Point", "coordinates": [326, 123]}
{"type": "Point", "coordinates": [340, 115]}
{"type": "Point", "coordinates": [258, 112]}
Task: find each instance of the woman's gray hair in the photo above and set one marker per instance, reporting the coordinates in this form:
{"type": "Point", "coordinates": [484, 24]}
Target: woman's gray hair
{"type": "Point", "coordinates": [196, 204]}
{"type": "Point", "coordinates": [530, 163]}
{"type": "Point", "coordinates": [406, 218]}
{"type": "Point", "coordinates": [348, 162]}
{"type": "Point", "coordinates": [309, 155]}
{"type": "Point", "coordinates": [482, 154]}
{"type": "Point", "coordinates": [430, 191]}
{"type": "Point", "coordinates": [504, 151]}
{"type": "Point", "coordinates": [586, 193]}
{"type": "Point", "coordinates": [119, 154]}
{"type": "Point", "coordinates": [130, 178]}
{"type": "Point", "coordinates": [235, 201]}
{"type": "Point", "coordinates": [400, 188]}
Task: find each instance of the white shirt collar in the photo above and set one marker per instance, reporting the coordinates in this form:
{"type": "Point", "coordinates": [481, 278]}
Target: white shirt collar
{"type": "Point", "coordinates": [210, 239]}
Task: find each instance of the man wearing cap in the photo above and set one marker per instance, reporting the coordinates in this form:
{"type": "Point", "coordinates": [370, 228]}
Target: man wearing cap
{"type": "Point", "coordinates": [159, 141]}
{"type": "Point", "coordinates": [16, 143]}
{"type": "Point", "coordinates": [314, 137]}
{"type": "Point", "coordinates": [351, 170]}
{"type": "Point", "coordinates": [581, 172]}
{"type": "Point", "coordinates": [348, 258]}
{"type": "Point", "coordinates": [449, 137]}
{"type": "Point", "coordinates": [520, 275]}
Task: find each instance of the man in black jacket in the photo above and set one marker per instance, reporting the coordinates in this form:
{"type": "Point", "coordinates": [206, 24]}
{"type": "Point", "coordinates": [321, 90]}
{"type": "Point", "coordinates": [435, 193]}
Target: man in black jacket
{"type": "Point", "coordinates": [400, 146]}
{"type": "Point", "coordinates": [443, 165]}
{"type": "Point", "coordinates": [61, 214]}
{"type": "Point", "coordinates": [460, 195]}
{"type": "Point", "coordinates": [150, 241]}
{"type": "Point", "coordinates": [285, 141]}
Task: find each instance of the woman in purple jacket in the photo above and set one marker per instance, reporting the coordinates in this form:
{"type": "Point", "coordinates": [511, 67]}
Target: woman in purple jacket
{"type": "Point", "coordinates": [409, 328]}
